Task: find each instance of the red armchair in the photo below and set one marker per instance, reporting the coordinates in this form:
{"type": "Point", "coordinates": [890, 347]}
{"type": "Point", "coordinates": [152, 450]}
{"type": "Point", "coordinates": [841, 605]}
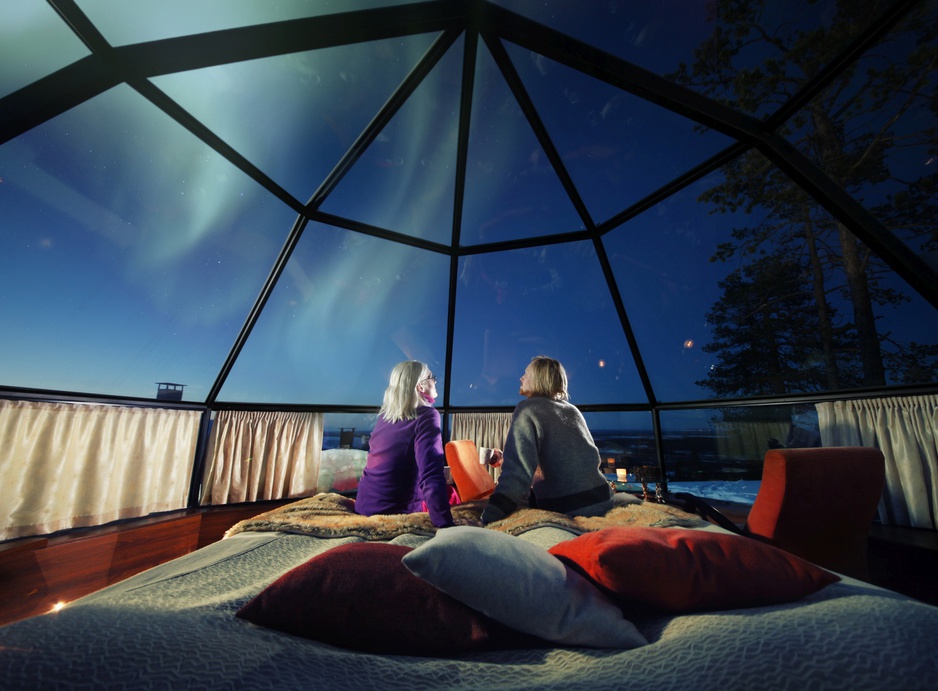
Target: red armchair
{"type": "Point", "coordinates": [471, 478]}
{"type": "Point", "coordinates": [816, 503]}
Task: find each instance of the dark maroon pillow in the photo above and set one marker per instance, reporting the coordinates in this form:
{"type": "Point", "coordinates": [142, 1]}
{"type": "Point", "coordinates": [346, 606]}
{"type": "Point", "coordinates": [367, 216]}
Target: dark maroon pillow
{"type": "Point", "coordinates": [678, 570]}
{"type": "Point", "coordinates": [360, 596]}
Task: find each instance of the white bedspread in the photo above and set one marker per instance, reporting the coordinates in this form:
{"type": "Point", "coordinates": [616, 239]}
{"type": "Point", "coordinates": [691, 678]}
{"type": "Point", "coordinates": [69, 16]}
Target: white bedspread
{"type": "Point", "coordinates": [173, 627]}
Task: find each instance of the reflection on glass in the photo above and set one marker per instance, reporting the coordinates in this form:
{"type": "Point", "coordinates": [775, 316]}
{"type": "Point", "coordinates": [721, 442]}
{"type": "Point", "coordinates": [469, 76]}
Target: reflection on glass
{"type": "Point", "coordinates": [405, 180]}
{"type": "Point", "coordinates": [617, 147]}
{"type": "Point", "coordinates": [348, 430]}
{"type": "Point", "coordinates": [625, 441]}
{"type": "Point", "coordinates": [818, 310]}
{"type": "Point", "coordinates": [345, 445]}
{"type": "Point", "coordinates": [294, 116]}
{"type": "Point", "coordinates": [512, 306]}
{"type": "Point", "coordinates": [147, 20]}
{"type": "Point", "coordinates": [512, 190]}
{"type": "Point", "coordinates": [35, 42]}
{"type": "Point", "coordinates": [135, 251]}
{"type": "Point", "coordinates": [347, 308]}
{"type": "Point", "coordinates": [667, 288]}
{"type": "Point", "coordinates": [791, 302]}
{"type": "Point", "coordinates": [718, 452]}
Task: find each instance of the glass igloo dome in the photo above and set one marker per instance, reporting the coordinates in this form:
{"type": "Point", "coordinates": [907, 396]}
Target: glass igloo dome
{"type": "Point", "coordinates": [713, 214]}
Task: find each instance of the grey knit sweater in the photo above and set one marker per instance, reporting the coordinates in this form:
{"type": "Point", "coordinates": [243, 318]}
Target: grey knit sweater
{"type": "Point", "coordinates": [549, 450]}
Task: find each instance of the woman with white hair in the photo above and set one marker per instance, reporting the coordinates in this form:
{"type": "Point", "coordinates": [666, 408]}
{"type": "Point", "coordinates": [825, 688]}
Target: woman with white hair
{"type": "Point", "coordinates": [404, 471]}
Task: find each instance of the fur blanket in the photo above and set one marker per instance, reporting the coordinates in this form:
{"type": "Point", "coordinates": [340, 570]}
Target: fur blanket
{"type": "Point", "coordinates": [333, 515]}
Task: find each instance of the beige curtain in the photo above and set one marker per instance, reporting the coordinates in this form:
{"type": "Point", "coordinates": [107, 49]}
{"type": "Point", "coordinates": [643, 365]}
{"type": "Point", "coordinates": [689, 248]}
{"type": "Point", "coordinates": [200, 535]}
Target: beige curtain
{"type": "Point", "coordinates": [485, 429]}
{"type": "Point", "coordinates": [256, 455]}
{"type": "Point", "coordinates": [66, 465]}
{"type": "Point", "coordinates": [905, 430]}
{"type": "Point", "coordinates": [748, 439]}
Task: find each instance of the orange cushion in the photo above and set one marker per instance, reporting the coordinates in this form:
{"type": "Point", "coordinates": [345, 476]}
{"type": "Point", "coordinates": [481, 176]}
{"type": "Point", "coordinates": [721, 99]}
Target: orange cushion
{"type": "Point", "coordinates": [679, 570]}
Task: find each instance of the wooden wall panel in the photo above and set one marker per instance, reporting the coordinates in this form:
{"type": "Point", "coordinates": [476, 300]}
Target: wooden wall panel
{"type": "Point", "coordinates": [216, 520]}
{"type": "Point", "coordinates": [36, 573]}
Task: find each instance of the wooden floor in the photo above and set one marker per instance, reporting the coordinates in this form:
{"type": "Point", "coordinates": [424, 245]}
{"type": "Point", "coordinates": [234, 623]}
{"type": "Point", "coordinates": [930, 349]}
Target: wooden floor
{"type": "Point", "coordinates": [37, 573]}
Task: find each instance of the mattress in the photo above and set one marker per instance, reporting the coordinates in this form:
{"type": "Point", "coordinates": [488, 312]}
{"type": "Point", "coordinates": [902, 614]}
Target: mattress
{"type": "Point", "coordinates": [174, 627]}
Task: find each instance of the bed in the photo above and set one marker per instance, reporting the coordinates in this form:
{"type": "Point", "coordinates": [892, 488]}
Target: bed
{"type": "Point", "coordinates": [183, 624]}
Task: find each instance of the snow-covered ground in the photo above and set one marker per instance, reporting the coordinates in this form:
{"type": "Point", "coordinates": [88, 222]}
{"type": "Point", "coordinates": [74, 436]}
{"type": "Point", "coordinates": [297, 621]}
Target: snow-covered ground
{"type": "Point", "coordinates": [739, 491]}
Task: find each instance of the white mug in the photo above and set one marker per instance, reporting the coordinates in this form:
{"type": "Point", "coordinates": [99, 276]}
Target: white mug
{"type": "Point", "coordinates": [486, 456]}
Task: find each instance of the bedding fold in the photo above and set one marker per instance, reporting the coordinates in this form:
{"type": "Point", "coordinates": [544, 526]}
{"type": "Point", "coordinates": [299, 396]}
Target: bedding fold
{"type": "Point", "coordinates": [331, 515]}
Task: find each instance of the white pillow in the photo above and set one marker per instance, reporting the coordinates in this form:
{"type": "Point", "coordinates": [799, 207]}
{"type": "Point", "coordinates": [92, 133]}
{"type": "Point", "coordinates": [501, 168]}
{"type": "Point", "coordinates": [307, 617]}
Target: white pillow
{"type": "Point", "coordinates": [522, 586]}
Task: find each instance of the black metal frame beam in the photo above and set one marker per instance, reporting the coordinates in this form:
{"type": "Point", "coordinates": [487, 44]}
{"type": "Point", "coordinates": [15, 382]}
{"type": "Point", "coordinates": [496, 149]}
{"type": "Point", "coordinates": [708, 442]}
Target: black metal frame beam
{"type": "Point", "coordinates": [108, 66]}
{"type": "Point", "coordinates": [853, 215]}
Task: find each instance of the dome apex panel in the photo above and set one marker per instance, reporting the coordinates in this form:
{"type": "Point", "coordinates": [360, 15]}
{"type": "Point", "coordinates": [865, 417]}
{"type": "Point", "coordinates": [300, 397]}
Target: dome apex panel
{"type": "Point", "coordinates": [294, 116]}
{"type": "Point", "coordinates": [617, 147]}
{"type": "Point", "coordinates": [655, 34]}
{"type": "Point", "coordinates": [763, 40]}
{"type": "Point", "coordinates": [512, 191]}
{"type": "Point", "coordinates": [405, 180]}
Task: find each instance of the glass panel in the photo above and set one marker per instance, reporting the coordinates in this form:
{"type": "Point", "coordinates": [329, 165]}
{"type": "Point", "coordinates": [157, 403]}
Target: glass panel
{"type": "Point", "coordinates": [512, 306]}
{"type": "Point", "coordinates": [346, 310]}
{"type": "Point", "coordinates": [124, 22]}
{"type": "Point", "coordinates": [406, 179]}
{"type": "Point", "coordinates": [655, 34]}
{"type": "Point", "coordinates": [667, 287]}
{"type": "Point", "coordinates": [294, 116]}
{"type": "Point", "coordinates": [133, 250]}
{"type": "Point", "coordinates": [512, 190]}
{"type": "Point", "coordinates": [617, 148]}
{"type": "Point", "coordinates": [791, 301]}
{"type": "Point", "coordinates": [875, 131]}
{"type": "Point", "coordinates": [345, 446]}
{"type": "Point", "coordinates": [718, 452]}
{"type": "Point", "coordinates": [625, 440]}
{"type": "Point", "coordinates": [351, 430]}
{"type": "Point", "coordinates": [753, 55]}
{"type": "Point", "coordinates": [36, 42]}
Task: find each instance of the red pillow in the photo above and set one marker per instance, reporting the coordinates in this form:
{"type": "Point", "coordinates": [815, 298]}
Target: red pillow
{"type": "Point", "coordinates": [361, 596]}
{"type": "Point", "coordinates": [678, 570]}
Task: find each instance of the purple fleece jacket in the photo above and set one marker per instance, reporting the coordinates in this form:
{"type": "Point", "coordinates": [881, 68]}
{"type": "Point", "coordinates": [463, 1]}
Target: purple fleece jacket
{"type": "Point", "coordinates": [405, 469]}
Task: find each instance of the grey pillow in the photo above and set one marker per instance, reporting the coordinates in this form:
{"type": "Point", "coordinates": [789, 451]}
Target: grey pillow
{"type": "Point", "coordinates": [522, 586]}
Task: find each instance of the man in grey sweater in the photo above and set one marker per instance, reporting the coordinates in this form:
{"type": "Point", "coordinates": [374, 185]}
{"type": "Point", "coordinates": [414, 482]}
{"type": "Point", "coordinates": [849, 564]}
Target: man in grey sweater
{"type": "Point", "coordinates": [549, 457]}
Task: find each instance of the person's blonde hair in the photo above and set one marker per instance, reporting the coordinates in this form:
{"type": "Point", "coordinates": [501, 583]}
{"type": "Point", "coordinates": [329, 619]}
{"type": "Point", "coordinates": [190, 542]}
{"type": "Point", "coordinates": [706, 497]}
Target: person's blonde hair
{"type": "Point", "coordinates": [401, 399]}
{"type": "Point", "coordinates": [548, 379]}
